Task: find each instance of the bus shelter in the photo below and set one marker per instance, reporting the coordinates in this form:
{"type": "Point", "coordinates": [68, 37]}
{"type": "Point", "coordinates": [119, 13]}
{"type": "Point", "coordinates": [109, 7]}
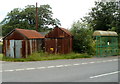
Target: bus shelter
{"type": "Point", "coordinates": [106, 43]}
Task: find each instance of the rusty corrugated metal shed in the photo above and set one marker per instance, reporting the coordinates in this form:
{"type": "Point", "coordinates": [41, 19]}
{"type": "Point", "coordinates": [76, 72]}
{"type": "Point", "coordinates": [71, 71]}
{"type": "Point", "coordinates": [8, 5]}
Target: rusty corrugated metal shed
{"type": "Point", "coordinates": [59, 40]}
{"type": "Point", "coordinates": [20, 43]}
{"type": "Point", "coordinates": [30, 34]}
{"type": "Point", "coordinates": [58, 32]}
{"type": "Point", "coordinates": [66, 31]}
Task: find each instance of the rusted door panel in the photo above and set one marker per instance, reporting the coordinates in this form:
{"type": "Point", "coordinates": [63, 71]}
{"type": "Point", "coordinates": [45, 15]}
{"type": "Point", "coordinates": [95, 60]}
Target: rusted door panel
{"type": "Point", "coordinates": [59, 46]}
{"type": "Point", "coordinates": [54, 45]}
{"type": "Point", "coordinates": [18, 46]}
{"type": "Point", "coordinates": [66, 46]}
{"type": "Point", "coordinates": [30, 46]}
{"type": "Point", "coordinates": [50, 45]}
{"type": "Point", "coordinates": [39, 45]}
{"type": "Point", "coordinates": [7, 48]}
{"type": "Point", "coordinates": [23, 49]}
{"type": "Point", "coordinates": [12, 48]}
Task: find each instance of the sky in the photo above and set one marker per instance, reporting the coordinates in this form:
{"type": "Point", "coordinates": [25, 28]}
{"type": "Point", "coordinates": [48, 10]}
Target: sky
{"type": "Point", "coordinates": [67, 11]}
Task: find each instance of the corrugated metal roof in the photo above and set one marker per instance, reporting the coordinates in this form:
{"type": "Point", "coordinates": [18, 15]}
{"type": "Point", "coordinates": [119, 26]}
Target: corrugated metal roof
{"type": "Point", "coordinates": [66, 31]}
{"type": "Point", "coordinates": [30, 34]}
{"type": "Point", "coordinates": [105, 33]}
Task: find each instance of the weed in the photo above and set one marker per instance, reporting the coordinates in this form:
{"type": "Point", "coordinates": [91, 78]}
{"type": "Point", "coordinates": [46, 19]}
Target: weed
{"type": "Point", "coordinates": [45, 56]}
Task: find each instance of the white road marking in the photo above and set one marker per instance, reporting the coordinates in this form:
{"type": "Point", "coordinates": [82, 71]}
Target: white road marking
{"type": "Point", "coordinates": [19, 69]}
{"type": "Point", "coordinates": [84, 63]}
{"type": "Point", "coordinates": [50, 66]}
{"type": "Point", "coordinates": [40, 67]}
{"type": "Point", "coordinates": [109, 60]}
{"type": "Point", "coordinates": [67, 65]}
{"type": "Point", "coordinates": [76, 64]}
{"type": "Point", "coordinates": [29, 68]}
{"type": "Point", "coordinates": [105, 74]}
{"type": "Point", "coordinates": [8, 70]}
{"type": "Point", "coordinates": [59, 66]}
{"type": "Point", "coordinates": [115, 59]}
{"type": "Point", "coordinates": [91, 62]}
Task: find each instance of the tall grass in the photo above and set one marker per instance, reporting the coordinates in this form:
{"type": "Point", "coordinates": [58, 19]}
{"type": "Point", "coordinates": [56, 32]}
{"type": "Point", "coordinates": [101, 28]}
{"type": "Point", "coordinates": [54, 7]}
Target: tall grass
{"type": "Point", "coordinates": [45, 56]}
{"type": "Point", "coordinates": [1, 56]}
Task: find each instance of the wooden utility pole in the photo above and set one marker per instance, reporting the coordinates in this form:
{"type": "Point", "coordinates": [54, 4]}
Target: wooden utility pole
{"type": "Point", "coordinates": [36, 17]}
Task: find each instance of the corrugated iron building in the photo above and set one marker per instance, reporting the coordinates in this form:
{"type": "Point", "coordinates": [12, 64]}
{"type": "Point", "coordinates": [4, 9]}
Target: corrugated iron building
{"type": "Point", "coordinates": [59, 40]}
{"type": "Point", "coordinates": [20, 43]}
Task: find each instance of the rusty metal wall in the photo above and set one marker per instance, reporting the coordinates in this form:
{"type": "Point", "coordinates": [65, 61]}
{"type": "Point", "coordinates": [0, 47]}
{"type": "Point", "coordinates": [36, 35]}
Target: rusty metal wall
{"type": "Point", "coordinates": [58, 41]}
{"type": "Point", "coordinates": [21, 48]}
{"type": "Point", "coordinates": [50, 45]}
{"type": "Point", "coordinates": [12, 48]}
{"type": "Point", "coordinates": [15, 36]}
{"type": "Point", "coordinates": [11, 53]}
{"type": "Point", "coordinates": [57, 33]}
{"type": "Point", "coordinates": [62, 46]}
{"type": "Point", "coordinates": [18, 48]}
{"type": "Point", "coordinates": [16, 45]}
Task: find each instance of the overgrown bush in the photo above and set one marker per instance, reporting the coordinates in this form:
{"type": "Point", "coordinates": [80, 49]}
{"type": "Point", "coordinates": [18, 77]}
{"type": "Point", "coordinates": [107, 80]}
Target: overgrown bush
{"type": "Point", "coordinates": [82, 41]}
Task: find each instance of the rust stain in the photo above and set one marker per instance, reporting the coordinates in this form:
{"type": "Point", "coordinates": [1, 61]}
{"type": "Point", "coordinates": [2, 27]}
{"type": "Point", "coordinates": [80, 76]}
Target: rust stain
{"type": "Point", "coordinates": [31, 34]}
{"type": "Point", "coordinates": [60, 40]}
{"type": "Point", "coordinates": [31, 41]}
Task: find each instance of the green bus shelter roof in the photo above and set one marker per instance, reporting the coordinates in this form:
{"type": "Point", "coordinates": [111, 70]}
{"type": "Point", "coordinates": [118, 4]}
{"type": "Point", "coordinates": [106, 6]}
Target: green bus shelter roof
{"type": "Point", "coordinates": [105, 33]}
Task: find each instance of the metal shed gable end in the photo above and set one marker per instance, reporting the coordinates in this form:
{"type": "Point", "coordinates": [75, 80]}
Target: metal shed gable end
{"type": "Point", "coordinates": [58, 41]}
{"type": "Point", "coordinates": [19, 44]}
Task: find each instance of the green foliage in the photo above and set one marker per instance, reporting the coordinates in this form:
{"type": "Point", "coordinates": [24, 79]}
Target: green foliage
{"type": "Point", "coordinates": [104, 16]}
{"type": "Point", "coordinates": [82, 42]}
{"type": "Point", "coordinates": [45, 56]}
{"type": "Point", "coordinates": [25, 18]}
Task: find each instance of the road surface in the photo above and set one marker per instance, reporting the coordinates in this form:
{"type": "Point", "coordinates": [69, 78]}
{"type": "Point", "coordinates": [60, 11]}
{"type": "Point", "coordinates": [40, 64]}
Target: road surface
{"type": "Point", "coordinates": [73, 70]}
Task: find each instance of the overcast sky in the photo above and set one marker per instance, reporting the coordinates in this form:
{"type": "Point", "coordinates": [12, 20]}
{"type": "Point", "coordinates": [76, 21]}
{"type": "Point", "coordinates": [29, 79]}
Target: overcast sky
{"type": "Point", "coordinates": [67, 11]}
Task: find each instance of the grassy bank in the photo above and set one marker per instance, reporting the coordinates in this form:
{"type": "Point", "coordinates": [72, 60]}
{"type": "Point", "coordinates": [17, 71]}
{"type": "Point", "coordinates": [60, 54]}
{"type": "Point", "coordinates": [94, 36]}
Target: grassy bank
{"type": "Point", "coordinates": [1, 55]}
{"type": "Point", "coordinates": [46, 56]}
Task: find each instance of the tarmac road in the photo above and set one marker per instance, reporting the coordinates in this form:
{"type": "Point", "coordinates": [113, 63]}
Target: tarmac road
{"type": "Point", "coordinates": [73, 70]}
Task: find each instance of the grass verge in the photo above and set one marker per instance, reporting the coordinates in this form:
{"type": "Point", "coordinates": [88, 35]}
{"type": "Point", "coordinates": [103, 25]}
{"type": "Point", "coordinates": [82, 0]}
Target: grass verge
{"type": "Point", "coordinates": [45, 56]}
{"type": "Point", "coordinates": [1, 56]}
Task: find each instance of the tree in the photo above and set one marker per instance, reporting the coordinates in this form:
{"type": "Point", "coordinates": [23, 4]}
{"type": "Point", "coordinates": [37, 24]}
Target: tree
{"type": "Point", "coordinates": [118, 18]}
{"type": "Point", "coordinates": [25, 18]}
{"type": "Point", "coordinates": [104, 16]}
{"type": "Point", "coordinates": [82, 42]}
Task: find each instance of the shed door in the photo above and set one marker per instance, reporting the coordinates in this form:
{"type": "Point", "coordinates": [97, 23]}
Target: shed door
{"type": "Point", "coordinates": [50, 45]}
{"type": "Point", "coordinates": [59, 46]}
{"type": "Point", "coordinates": [12, 48]}
{"type": "Point", "coordinates": [18, 46]}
